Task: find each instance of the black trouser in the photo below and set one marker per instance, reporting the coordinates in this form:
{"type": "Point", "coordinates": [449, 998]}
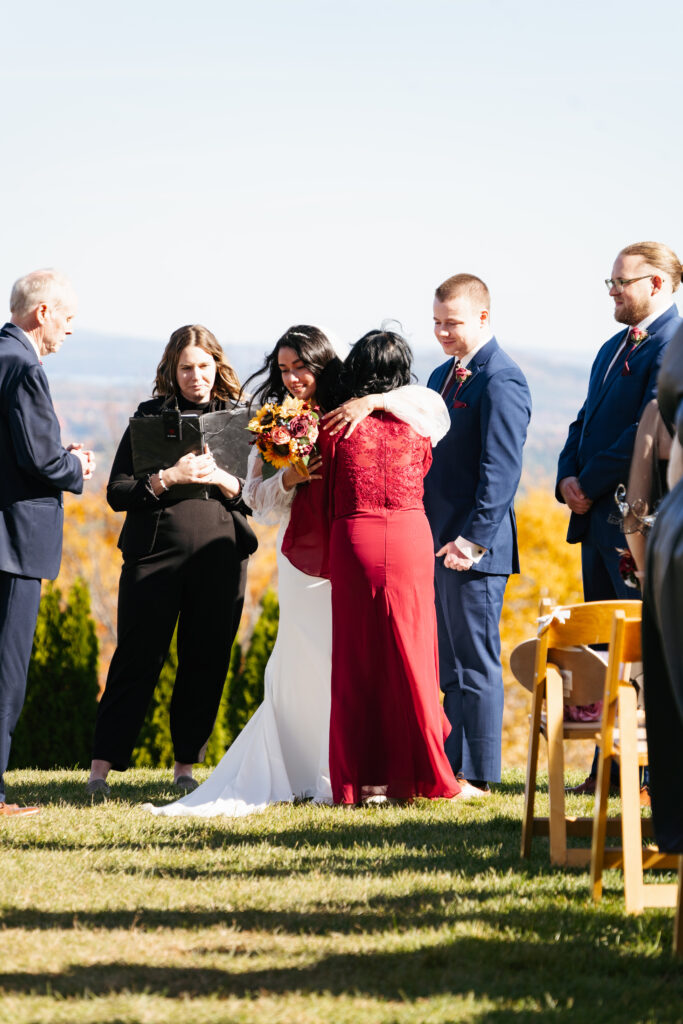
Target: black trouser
{"type": "Point", "coordinates": [195, 576]}
{"type": "Point", "coordinates": [663, 667]}
{"type": "Point", "coordinates": [19, 602]}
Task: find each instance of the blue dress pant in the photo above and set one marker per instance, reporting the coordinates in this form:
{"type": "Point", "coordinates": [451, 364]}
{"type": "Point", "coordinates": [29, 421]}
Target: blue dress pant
{"type": "Point", "coordinates": [19, 602]}
{"type": "Point", "coordinates": [468, 608]}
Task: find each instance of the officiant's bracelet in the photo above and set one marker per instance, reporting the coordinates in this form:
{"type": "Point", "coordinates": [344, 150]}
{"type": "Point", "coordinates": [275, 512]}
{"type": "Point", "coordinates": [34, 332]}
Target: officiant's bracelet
{"type": "Point", "coordinates": [160, 475]}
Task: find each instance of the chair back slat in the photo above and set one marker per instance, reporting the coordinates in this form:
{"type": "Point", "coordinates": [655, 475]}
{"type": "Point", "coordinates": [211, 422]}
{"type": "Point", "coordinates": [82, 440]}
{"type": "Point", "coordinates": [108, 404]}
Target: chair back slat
{"type": "Point", "coordinates": [632, 649]}
{"type": "Point", "coordinates": [589, 623]}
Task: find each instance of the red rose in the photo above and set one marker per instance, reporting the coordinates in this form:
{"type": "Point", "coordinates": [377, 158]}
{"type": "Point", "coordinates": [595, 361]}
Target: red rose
{"type": "Point", "coordinates": [280, 435]}
{"type": "Point", "coordinates": [298, 426]}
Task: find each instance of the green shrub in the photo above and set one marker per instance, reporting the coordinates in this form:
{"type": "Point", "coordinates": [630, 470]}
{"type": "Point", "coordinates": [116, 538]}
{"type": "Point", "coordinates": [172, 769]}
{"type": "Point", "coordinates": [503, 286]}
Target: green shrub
{"type": "Point", "coordinates": [56, 726]}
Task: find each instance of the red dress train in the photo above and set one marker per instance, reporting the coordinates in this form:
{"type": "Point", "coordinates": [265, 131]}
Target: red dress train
{"type": "Point", "coordinates": [387, 727]}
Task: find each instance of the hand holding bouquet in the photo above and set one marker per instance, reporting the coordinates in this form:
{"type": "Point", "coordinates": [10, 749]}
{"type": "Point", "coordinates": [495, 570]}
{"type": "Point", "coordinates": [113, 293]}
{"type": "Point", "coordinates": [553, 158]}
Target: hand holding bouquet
{"type": "Point", "coordinates": [286, 434]}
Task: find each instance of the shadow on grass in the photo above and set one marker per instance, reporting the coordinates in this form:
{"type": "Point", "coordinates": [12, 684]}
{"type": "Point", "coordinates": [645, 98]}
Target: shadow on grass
{"type": "Point", "coordinates": [337, 840]}
{"type": "Point", "coordinates": [425, 908]}
{"type": "Point", "coordinates": [630, 987]}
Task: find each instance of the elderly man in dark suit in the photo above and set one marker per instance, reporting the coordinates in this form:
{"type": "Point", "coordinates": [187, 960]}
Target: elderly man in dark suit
{"type": "Point", "coordinates": [36, 469]}
{"type": "Point", "coordinates": [469, 495]}
{"type": "Point", "coordinates": [597, 454]}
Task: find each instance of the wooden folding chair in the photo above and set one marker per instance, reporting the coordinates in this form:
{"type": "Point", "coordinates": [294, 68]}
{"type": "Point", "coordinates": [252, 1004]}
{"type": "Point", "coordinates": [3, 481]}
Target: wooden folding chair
{"type": "Point", "coordinates": [564, 634]}
{"type": "Point", "coordinates": [622, 738]}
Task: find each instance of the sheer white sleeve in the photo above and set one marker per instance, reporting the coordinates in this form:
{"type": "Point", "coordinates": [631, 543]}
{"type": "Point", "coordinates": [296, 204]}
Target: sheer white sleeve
{"type": "Point", "coordinates": [421, 408]}
{"type": "Point", "coordinates": [267, 499]}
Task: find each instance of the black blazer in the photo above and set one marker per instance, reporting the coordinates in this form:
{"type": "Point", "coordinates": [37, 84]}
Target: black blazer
{"type": "Point", "coordinates": [36, 468]}
{"type": "Point", "coordinates": [145, 510]}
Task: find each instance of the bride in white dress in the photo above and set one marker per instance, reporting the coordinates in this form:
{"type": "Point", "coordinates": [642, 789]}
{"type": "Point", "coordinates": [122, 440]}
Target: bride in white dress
{"type": "Point", "coordinates": [282, 752]}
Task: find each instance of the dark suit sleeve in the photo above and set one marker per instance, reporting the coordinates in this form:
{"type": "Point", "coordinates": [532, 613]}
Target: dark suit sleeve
{"type": "Point", "coordinates": [603, 473]}
{"type": "Point", "coordinates": [568, 461]}
{"type": "Point", "coordinates": [36, 436]}
{"type": "Point", "coordinates": [505, 413]}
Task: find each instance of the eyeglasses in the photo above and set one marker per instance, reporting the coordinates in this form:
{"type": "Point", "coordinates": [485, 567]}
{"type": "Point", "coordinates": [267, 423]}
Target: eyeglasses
{"type": "Point", "coordinates": [619, 283]}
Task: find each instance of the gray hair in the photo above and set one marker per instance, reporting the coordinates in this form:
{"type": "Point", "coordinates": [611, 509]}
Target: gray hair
{"type": "Point", "coordinates": [48, 286]}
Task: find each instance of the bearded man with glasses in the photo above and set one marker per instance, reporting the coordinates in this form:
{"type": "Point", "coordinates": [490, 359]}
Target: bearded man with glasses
{"type": "Point", "coordinates": [597, 453]}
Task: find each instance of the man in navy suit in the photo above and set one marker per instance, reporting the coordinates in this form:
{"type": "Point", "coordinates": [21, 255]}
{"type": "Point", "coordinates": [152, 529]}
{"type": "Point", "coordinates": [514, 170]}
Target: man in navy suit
{"type": "Point", "coordinates": [36, 469]}
{"type": "Point", "coordinates": [623, 380]}
{"type": "Point", "coordinates": [469, 495]}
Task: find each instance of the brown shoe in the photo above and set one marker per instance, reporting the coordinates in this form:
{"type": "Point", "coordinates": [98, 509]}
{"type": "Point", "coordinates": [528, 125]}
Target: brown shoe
{"type": "Point", "coordinates": [469, 790]}
{"type": "Point", "coordinates": [587, 788]}
{"type": "Point", "coordinates": [14, 811]}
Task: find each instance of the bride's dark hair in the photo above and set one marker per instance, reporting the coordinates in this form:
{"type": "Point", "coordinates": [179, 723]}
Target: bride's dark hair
{"type": "Point", "coordinates": [315, 351]}
{"type": "Point", "coordinates": [379, 362]}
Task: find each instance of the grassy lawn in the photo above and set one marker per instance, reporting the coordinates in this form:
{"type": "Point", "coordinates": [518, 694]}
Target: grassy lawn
{"type": "Point", "coordinates": [404, 914]}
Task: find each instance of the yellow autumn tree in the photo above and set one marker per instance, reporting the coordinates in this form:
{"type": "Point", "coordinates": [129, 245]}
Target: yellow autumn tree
{"type": "Point", "coordinates": [550, 568]}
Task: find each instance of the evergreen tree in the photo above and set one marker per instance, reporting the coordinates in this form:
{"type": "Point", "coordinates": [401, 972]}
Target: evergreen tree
{"type": "Point", "coordinates": [246, 690]}
{"type": "Point", "coordinates": [56, 726]}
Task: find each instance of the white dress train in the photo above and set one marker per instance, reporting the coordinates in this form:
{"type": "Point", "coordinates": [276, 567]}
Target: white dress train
{"type": "Point", "coordinates": [282, 752]}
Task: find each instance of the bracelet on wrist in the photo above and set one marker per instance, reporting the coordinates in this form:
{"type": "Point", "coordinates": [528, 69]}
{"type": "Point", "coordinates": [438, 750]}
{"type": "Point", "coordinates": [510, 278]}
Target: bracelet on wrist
{"type": "Point", "coordinates": [160, 476]}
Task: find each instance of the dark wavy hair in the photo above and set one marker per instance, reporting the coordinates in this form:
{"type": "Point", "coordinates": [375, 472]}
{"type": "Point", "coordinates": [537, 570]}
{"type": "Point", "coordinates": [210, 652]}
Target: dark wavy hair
{"type": "Point", "coordinates": [226, 385]}
{"type": "Point", "coordinates": [315, 351]}
{"type": "Point", "coordinates": [380, 361]}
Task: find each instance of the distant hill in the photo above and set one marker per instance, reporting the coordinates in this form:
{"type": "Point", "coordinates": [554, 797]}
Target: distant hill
{"type": "Point", "coordinates": [98, 380]}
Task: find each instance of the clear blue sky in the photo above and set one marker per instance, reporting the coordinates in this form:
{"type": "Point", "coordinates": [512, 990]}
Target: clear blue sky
{"type": "Point", "coordinates": [249, 165]}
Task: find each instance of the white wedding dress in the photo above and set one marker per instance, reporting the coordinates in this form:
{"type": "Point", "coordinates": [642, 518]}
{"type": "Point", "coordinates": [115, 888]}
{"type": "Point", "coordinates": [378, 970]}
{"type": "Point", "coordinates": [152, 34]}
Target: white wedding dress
{"type": "Point", "coordinates": [282, 752]}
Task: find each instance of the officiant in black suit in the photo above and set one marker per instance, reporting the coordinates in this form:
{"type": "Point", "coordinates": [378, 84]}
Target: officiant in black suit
{"type": "Point", "coordinates": [35, 471]}
{"type": "Point", "coordinates": [185, 544]}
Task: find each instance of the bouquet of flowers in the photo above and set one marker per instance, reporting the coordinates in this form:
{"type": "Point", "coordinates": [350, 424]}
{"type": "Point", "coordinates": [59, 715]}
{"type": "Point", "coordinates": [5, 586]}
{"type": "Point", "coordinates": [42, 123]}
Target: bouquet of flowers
{"type": "Point", "coordinates": [286, 434]}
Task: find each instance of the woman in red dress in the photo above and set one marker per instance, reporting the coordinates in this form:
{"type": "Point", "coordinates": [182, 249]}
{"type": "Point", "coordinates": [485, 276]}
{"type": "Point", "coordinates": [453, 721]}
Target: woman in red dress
{"type": "Point", "coordinates": [387, 727]}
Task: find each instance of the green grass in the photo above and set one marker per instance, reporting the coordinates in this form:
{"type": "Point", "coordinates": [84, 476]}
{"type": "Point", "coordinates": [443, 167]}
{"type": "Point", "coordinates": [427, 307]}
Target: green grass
{"type": "Point", "coordinates": [413, 914]}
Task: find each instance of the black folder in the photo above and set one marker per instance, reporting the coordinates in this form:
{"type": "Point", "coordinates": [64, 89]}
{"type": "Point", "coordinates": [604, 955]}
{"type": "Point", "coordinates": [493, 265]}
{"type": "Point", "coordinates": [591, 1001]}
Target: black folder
{"type": "Point", "coordinates": [159, 441]}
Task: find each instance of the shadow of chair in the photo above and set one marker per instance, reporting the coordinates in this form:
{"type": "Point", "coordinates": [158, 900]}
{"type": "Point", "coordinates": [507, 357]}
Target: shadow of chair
{"type": "Point", "coordinates": [622, 739]}
{"type": "Point", "coordinates": [559, 668]}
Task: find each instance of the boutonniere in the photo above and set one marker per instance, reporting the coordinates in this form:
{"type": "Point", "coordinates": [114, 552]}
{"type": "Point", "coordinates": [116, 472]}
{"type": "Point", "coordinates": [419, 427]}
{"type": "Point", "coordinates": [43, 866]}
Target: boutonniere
{"type": "Point", "coordinates": [635, 338]}
{"type": "Point", "coordinates": [462, 375]}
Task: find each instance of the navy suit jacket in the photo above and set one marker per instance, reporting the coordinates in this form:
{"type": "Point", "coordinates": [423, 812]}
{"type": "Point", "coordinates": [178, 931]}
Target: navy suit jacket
{"type": "Point", "coordinates": [35, 468]}
{"type": "Point", "coordinates": [600, 442]}
{"type": "Point", "coordinates": [470, 488]}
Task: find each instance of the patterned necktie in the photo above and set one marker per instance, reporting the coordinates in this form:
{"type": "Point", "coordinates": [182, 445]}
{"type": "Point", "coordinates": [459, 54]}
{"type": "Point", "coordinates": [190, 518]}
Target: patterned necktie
{"type": "Point", "coordinates": [450, 379]}
{"type": "Point", "coordinates": [629, 347]}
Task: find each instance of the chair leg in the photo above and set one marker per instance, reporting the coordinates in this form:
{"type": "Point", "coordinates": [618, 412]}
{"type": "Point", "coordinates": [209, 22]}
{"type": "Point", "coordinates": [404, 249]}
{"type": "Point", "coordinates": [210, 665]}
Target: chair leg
{"type": "Point", "coordinates": [631, 828]}
{"type": "Point", "coordinates": [555, 711]}
{"type": "Point", "coordinates": [600, 824]}
{"type": "Point", "coordinates": [531, 772]}
{"type": "Point", "coordinates": [678, 923]}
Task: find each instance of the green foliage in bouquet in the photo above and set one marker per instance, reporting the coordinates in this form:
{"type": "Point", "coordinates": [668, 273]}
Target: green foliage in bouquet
{"type": "Point", "coordinates": [242, 694]}
{"type": "Point", "coordinates": [56, 726]}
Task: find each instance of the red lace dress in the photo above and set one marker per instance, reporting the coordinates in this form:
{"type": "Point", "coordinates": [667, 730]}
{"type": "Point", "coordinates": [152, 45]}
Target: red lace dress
{"type": "Point", "coordinates": [387, 727]}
